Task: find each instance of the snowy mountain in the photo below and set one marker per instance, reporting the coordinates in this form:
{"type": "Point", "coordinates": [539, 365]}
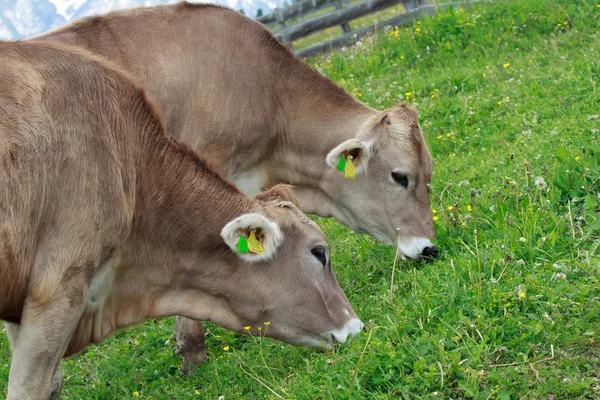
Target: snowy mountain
{"type": "Point", "coordinates": [23, 18]}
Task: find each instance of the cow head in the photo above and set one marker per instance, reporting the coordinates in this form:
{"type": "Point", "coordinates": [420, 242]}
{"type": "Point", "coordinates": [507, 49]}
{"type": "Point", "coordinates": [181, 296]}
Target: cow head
{"type": "Point", "coordinates": [389, 195]}
{"type": "Point", "coordinates": [290, 290]}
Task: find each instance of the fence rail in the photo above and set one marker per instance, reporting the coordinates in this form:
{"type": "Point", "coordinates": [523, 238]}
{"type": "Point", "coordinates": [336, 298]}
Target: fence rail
{"type": "Point", "coordinates": [343, 14]}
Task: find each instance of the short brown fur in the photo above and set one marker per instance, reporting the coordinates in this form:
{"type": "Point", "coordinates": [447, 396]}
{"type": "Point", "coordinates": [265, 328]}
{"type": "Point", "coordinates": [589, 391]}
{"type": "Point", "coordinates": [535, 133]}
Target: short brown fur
{"type": "Point", "coordinates": [106, 221]}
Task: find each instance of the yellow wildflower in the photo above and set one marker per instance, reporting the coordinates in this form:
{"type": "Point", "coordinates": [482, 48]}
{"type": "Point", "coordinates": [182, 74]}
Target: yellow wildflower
{"type": "Point", "coordinates": [136, 394]}
{"type": "Point", "coordinates": [450, 208]}
{"type": "Point", "coordinates": [440, 136]}
{"type": "Point", "coordinates": [463, 224]}
{"type": "Point", "coordinates": [487, 67]}
{"type": "Point", "coordinates": [500, 103]}
{"type": "Point", "coordinates": [522, 295]}
{"type": "Point", "coordinates": [267, 323]}
{"type": "Point", "coordinates": [197, 392]}
{"type": "Point", "coordinates": [402, 57]}
{"type": "Point", "coordinates": [247, 327]}
{"type": "Point", "coordinates": [577, 158]}
{"type": "Point", "coordinates": [469, 208]}
{"type": "Point", "coordinates": [506, 65]}
{"type": "Point", "coordinates": [226, 348]}
{"type": "Point", "coordinates": [434, 211]}
{"type": "Point", "coordinates": [435, 218]}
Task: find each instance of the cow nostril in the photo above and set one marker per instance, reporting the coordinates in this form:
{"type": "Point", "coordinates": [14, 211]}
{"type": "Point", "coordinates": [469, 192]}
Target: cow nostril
{"type": "Point", "coordinates": [364, 328]}
{"type": "Point", "coordinates": [429, 253]}
{"type": "Point", "coordinates": [333, 338]}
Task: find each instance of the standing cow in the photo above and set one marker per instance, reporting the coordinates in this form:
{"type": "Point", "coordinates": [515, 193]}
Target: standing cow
{"type": "Point", "coordinates": [262, 116]}
{"type": "Point", "coordinates": [105, 221]}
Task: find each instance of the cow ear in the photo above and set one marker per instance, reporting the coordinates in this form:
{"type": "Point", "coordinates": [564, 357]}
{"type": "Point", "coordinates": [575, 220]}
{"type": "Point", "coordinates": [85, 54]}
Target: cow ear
{"type": "Point", "coordinates": [353, 150]}
{"type": "Point", "coordinates": [252, 237]}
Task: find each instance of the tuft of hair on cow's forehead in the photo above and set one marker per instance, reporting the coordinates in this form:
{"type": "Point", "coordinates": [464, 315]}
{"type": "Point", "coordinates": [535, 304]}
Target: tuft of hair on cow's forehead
{"type": "Point", "coordinates": [295, 211]}
{"type": "Point", "coordinates": [284, 212]}
{"type": "Point", "coordinates": [398, 126]}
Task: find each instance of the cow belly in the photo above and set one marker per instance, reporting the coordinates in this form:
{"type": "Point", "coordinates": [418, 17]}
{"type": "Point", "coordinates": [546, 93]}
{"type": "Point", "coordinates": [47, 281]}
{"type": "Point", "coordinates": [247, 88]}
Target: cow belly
{"type": "Point", "coordinates": [251, 181]}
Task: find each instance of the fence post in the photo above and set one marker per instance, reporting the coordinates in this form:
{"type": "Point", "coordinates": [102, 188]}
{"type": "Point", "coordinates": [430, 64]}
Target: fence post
{"type": "Point", "coordinates": [345, 26]}
{"type": "Point", "coordinates": [280, 18]}
{"type": "Point", "coordinates": [410, 5]}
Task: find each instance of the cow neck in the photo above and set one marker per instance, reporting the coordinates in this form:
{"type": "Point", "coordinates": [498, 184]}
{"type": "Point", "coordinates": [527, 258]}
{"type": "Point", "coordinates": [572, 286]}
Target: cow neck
{"type": "Point", "coordinates": [175, 252]}
{"type": "Point", "coordinates": [319, 117]}
{"type": "Point", "coordinates": [182, 202]}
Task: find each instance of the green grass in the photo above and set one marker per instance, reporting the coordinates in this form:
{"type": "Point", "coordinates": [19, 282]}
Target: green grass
{"type": "Point", "coordinates": [511, 310]}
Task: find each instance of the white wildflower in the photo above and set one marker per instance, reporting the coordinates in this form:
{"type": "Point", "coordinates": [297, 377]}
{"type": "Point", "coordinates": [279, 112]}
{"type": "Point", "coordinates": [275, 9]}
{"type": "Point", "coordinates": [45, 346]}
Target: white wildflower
{"type": "Point", "coordinates": [540, 182]}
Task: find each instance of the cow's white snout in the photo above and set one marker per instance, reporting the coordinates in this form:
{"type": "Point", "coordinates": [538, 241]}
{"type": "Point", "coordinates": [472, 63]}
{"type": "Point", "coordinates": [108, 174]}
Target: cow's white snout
{"type": "Point", "coordinates": [351, 327]}
{"type": "Point", "coordinates": [418, 248]}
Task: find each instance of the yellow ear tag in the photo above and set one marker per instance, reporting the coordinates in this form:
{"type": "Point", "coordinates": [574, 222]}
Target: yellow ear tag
{"type": "Point", "coordinates": [254, 245]}
{"type": "Point", "coordinates": [350, 169]}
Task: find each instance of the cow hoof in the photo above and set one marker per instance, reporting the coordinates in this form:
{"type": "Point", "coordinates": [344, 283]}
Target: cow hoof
{"type": "Point", "coordinates": [191, 361]}
{"type": "Point", "coordinates": [57, 384]}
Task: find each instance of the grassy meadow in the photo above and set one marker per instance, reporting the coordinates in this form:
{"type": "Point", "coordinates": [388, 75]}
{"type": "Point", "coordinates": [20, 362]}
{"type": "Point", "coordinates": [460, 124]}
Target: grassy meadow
{"type": "Point", "coordinates": [509, 98]}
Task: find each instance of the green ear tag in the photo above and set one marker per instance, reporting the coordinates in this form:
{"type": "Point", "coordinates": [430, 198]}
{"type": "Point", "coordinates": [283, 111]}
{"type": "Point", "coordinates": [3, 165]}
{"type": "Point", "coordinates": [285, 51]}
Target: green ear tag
{"type": "Point", "coordinates": [342, 164]}
{"type": "Point", "coordinates": [243, 244]}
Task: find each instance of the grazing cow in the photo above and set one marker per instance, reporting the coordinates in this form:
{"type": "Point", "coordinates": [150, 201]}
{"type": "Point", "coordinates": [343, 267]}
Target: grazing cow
{"type": "Point", "coordinates": [106, 221]}
{"type": "Point", "coordinates": [261, 116]}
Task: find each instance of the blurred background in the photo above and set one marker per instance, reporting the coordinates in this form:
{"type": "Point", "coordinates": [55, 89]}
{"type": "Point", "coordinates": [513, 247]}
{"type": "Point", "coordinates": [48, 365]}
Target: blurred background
{"type": "Point", "coordinates": [24, 18]}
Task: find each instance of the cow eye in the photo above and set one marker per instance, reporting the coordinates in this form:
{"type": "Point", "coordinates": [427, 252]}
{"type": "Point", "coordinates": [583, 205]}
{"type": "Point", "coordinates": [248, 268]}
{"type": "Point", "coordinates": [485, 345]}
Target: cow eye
{"type": "Point", "coordinates": [400, 178]}
{"type": "Point", "coordinates": [320, 253]}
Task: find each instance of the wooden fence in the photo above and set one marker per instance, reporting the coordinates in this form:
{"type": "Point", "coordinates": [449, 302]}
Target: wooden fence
{"type": "Point", "coordinates": [344, 12]}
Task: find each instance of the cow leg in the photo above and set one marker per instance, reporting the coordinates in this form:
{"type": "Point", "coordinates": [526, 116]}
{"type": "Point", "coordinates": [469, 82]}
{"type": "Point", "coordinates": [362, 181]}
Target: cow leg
{"type": "Point", "coordinates": [12, 331]}
{"type": "Point", "coordinates": [189, 335]}
{"type": "Point", "coordinates": [50, 316]}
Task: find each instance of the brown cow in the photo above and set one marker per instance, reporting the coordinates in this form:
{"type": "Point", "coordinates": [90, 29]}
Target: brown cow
{"type": "Point", "coordinates": [105, 221]}
{"type": "Point", "coordinates": [229, 89]}
{"type": "Point", "coordinates": [262, 116]}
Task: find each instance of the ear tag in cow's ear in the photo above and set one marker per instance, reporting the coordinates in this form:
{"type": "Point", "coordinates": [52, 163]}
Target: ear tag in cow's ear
{"type": "Point", "coordinates": [243, 244]}
{"type": "Point", "coordinates": [342, 164]}
{"type": "Point", "coordinates": [254, 245]}
{"type": "Point", "coordinates": [350, 170]}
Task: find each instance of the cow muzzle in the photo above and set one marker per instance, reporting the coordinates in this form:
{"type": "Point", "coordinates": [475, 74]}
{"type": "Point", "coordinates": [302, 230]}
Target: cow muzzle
{"type": "Point", "coordinates": [418, 249]}
{"type": "Point", "coordinates": [351, 327]}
